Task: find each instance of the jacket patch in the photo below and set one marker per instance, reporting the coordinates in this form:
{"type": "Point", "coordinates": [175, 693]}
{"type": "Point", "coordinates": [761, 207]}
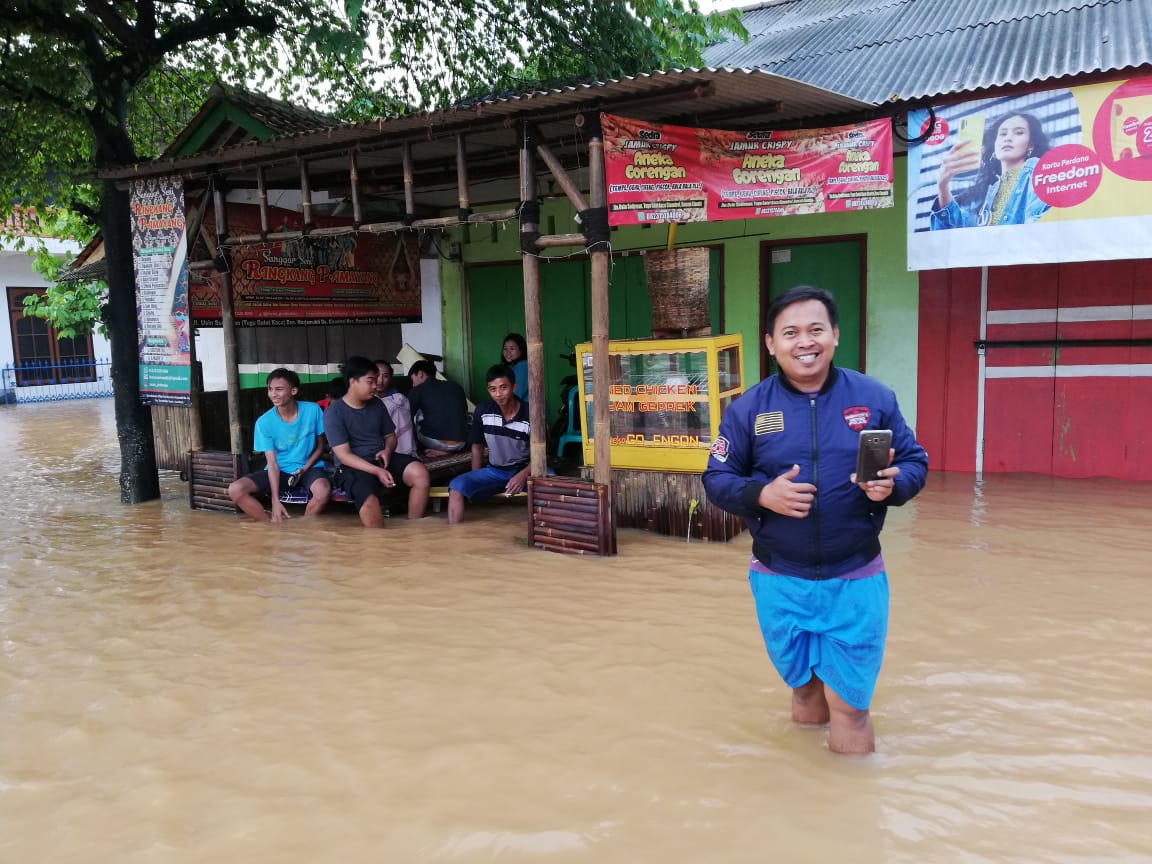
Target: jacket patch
{"type": "Point", "coordinates": [773, 421]}
{"type": "Point", "coordinates": [719, 449]}
{"type": "Point", "coordinates": [857, 417]}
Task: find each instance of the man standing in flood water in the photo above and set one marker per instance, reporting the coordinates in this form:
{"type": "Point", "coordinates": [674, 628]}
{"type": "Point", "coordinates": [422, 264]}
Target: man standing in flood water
{"type": "Point", "coordinates": [784, 461]}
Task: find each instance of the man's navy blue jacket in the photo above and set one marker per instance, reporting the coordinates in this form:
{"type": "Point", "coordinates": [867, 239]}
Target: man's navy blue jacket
{"type": "Point", "coordinates": [772, 427]}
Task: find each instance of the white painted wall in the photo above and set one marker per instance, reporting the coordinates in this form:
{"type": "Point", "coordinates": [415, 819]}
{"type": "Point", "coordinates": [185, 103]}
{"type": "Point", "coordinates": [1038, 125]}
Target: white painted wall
{"type": "Point", "coordinates": [427, 337]}
{"type": "Point", "coordinates": [16, 272]}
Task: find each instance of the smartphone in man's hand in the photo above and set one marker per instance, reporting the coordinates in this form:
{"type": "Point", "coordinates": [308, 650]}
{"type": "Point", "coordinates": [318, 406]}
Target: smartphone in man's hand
{"type": "Point", "coordinates": [872, 454]}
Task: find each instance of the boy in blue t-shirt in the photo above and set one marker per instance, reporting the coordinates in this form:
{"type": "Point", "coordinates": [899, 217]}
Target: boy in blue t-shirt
{"type": "Point", "coordinates": [291, 435]}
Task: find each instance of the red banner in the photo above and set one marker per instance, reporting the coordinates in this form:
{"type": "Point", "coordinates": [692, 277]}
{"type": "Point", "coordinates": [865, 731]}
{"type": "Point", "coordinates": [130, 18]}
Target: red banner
{"type": "Point", "coordinates": [659, 173]}
{"type": "Point", "coordinates": [344, 279]}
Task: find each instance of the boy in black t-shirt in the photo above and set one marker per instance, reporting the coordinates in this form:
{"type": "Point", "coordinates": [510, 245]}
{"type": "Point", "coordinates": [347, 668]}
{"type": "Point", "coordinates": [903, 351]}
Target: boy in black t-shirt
{"type": "Point", "coordinates": [363, 440]}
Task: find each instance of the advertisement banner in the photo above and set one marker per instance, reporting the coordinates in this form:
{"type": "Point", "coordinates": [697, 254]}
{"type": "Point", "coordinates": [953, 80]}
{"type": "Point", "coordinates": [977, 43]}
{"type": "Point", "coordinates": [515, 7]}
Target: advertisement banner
{"type": "Point", "coordinates": [342, 279]}
{"type": "Point", "coordinates": [1044, 177]}
{"type": "Point", "coordinates": [659, 173]}
{"type": "Point", "coordinates": [160, 261]}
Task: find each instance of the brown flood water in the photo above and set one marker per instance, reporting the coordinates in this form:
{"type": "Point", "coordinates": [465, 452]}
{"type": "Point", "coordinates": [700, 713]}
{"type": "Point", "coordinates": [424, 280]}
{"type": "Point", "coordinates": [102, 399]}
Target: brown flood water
{"type": "Point", "coordinates": [188, 687]}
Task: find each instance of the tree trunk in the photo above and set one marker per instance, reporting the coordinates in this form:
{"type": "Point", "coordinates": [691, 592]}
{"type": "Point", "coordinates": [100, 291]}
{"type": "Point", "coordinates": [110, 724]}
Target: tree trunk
{"type": "Point", "coordinates": [139, 480]}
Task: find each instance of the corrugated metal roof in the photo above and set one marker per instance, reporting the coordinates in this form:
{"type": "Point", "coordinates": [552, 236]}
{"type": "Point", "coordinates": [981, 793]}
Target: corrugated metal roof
{"type": "Point", "coordinates": [887, 50]}
{"type": "Point", "coordinates": [706, 97]}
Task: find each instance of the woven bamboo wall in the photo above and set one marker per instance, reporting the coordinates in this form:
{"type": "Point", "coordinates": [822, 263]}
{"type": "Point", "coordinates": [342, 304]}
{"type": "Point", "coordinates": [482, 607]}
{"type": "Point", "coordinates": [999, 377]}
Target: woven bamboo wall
{"type": "Point", "coordinates": [659, 501]}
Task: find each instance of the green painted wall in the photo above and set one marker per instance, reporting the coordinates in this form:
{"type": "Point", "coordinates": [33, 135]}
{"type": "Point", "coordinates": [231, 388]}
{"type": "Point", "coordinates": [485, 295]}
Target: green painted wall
{"type": "Point", "coordinates": [891, 298]}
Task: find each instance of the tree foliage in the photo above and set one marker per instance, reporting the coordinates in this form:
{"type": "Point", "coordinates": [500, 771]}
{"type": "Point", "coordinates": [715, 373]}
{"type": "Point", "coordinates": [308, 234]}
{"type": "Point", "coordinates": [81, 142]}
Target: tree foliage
{"type": "Point", "coordinates": [91, 85]}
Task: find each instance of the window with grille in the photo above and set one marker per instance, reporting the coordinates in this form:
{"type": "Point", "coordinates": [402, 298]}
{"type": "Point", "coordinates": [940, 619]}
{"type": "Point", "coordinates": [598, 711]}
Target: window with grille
{"type": "Point", "coordinates": [41, 357]}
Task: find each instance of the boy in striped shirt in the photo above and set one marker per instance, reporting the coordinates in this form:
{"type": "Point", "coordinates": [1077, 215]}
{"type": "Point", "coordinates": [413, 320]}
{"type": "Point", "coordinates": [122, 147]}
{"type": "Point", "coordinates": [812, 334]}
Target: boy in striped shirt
{"type": "Point", "coordinates": [501, 424]}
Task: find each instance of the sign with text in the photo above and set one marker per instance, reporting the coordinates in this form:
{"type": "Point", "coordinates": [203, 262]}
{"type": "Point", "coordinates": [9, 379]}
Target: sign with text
{"type": "Point", "coordinates": [657, 398]}
{"type": "Point", "coordinates": [659, 173]}
{"type": "Point", "coordinates": [160, 261]}
{"type": "Point", "coordinates": [1043, 177]}
{"type": "Point", "coordinates": [342, 279]}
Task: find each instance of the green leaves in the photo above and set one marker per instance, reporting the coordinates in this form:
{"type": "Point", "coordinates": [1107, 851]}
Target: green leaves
{"type": "Point", "coordinates": [86, 85]}
{"type": "Point", "coordinates": [73, 308]}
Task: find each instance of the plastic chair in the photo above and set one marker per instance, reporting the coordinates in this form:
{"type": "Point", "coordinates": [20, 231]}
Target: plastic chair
{"type": "Point", "coordinates": [572, 433]}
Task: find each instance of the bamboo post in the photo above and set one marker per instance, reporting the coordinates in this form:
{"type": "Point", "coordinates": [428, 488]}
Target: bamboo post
{"type": "Point", "coordinates": [600, 261]}
{"type": "Point", "coordinates": [533, 329]}
{"type": "Point", "coordinates": [571, 190]}
{"type": "Point", "coordinates": [262, 197]}
{"type": "Point", "coordinates": [227, 320]}
{"type": "Point", "coordinates": [409, 182]}
{"type": "Point", "coordinates": [354, 179]}
{"type": "Point", "coordinates": [195, 389]}
{"type": "Point", "coordinates": [462, 187]}
{"type": "Point", "coordinates": [195, 384]}
{"type": "Point", "coordinates": [306, 195]}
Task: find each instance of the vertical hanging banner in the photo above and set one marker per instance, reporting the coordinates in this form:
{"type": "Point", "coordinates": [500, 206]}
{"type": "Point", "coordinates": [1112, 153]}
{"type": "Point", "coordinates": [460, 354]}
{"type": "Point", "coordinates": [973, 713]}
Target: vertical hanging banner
{"type": "Point", "coordinates": [659, 173]}
{"type": "Point", "coordinates": [160, 261]}
{"type": "Point", "coordinates": [1042, 177]}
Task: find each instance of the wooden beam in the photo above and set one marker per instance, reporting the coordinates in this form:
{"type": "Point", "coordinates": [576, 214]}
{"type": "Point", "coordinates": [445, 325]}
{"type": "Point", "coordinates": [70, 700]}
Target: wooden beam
{"type": "Point", "coordinates": [551, 241]}
{"type": "Point", "coordinates": [566, 183]}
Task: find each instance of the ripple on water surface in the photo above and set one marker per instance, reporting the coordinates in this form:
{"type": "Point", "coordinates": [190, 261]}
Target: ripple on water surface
{"type": "Point", "coordinates": [183, 687]}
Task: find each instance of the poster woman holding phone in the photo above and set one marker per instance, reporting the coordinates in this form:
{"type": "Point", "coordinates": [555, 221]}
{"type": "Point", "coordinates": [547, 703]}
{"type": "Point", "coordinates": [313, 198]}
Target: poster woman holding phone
{"type": "Point", "coordinates": [1002, 192]}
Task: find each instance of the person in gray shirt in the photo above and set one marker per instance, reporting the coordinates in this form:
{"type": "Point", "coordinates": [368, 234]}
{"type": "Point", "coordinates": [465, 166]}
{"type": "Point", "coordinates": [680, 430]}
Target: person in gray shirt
{"type": "Point", "coordinates": [363, 440]}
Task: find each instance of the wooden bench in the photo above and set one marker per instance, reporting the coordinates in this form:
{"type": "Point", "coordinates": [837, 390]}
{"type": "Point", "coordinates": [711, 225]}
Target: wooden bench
{"type": "Point", "coordinates": [440, 470]}
{"type": "Point", "coordinates": [210, 472]}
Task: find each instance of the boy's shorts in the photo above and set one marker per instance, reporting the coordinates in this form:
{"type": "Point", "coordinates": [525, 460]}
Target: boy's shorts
{"type": "Point", "coordinates": [360, 484]}
{"type": "Point", "coordinates": [264, 486]}
{"type": "Point", "coordinates": [835, 628]}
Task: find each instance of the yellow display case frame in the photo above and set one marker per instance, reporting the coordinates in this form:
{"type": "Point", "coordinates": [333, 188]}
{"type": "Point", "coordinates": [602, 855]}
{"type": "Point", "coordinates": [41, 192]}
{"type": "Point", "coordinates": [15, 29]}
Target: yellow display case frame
{"type": "Point", "coordinates": [635, 402]}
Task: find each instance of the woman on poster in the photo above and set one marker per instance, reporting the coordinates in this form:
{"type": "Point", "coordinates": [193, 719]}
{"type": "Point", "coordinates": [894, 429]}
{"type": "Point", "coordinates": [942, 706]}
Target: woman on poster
{"type": "Point", "coordinates": [1002, 192]}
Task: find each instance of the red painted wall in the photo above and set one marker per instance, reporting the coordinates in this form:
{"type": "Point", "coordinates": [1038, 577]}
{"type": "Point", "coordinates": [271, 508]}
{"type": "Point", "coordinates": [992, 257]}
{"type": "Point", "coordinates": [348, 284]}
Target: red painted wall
{"type": "Point", "coordinates": [946, 394]}
{"type": "Point", "coordinates": [1080, 426]}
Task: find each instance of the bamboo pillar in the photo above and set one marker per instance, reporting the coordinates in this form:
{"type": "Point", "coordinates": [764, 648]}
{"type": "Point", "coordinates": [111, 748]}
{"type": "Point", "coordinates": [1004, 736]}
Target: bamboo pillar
{"type": "Point", "coordinates": [600, 260]}
{"type": "Point", "coordinates": [354, 179]}
{"type": "Point", "coordinates": [306, 195]}
{"type": "Point", "coordinates": [227, 320]}
{"type": "Point", "coordinates": [262, 198]}
{"type": "Point", "coordinates": [195, 392]}
{"type": "Point", "coordinates": [462, 188]}
{"type": "Point", "coordinates": [409, 182]}
{"type": "Point", "coordinates": [195, 380]}
{"type": "Point", "coordinates": [533, 329]}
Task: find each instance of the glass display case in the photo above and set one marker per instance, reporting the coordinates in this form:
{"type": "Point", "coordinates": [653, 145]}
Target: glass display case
{"type": "Point", "coordinates": [666, 397]}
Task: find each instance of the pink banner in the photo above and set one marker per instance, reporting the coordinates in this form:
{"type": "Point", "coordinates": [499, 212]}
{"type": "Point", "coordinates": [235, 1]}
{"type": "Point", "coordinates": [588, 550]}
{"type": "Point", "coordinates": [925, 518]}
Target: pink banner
{"type": "Point", "coordinates": [659, 173]}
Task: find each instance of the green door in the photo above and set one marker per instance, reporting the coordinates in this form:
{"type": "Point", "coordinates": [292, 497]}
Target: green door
{"type": "Point", "coordinates": [496, 308]}
{"type": "Point", "coordinates": [835, 265]}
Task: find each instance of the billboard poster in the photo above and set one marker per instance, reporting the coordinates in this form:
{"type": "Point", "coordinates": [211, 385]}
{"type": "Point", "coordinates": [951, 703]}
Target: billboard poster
{"type": "Point", "coordinates": [660, 173]}
{"type": "Point", "coordinates": [160, 262]}
{"type": "Point", "coordinates": [1043, 177]}
{"type": "Point", "coordinates": [335, 279]}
